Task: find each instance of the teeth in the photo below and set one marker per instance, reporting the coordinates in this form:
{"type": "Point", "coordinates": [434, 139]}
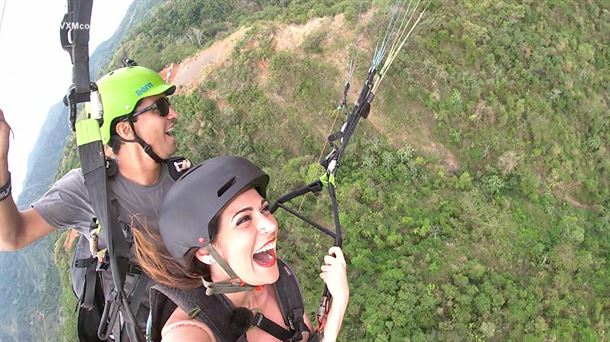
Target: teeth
{"type": "Point", "coordinates": [266, 247]}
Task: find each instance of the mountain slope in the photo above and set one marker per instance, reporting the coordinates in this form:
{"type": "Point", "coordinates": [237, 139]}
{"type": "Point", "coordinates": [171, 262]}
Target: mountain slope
{"type": "Point", "coordinates": [474, 200]}
{"type": "Point", "coordinates": [454, 193]}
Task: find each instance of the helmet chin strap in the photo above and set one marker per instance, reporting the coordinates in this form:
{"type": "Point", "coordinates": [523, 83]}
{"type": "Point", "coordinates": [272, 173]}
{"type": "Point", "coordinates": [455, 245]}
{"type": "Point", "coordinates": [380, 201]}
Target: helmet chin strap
{"type": "Point", "coordinates": [146, 146]}
{"type": "Point", "coordinates": [234, 284]}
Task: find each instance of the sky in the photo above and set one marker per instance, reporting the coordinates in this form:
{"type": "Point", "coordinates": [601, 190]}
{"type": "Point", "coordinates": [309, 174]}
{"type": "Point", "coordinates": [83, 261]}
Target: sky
{"type": "Point", "coordinates": [35, 71]}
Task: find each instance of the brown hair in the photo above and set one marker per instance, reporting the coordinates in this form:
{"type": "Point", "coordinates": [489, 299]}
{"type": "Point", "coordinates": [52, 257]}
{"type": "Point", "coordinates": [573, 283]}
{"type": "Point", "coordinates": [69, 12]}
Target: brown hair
{"type": "Point", "coordinates": [153, 257]}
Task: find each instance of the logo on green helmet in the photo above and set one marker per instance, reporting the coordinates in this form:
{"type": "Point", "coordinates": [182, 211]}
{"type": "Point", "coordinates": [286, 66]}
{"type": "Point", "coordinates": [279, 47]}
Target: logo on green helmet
{"type": "Point", "coordinates": [144, 89]}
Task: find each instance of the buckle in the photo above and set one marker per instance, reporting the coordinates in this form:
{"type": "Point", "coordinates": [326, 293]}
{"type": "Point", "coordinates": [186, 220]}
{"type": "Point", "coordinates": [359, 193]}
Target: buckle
{"type": "Point", "coordinates": [134, 269]}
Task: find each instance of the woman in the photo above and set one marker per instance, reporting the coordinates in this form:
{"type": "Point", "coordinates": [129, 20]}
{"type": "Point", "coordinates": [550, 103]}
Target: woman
{"type": "Point", "coordinates": [218, 272]}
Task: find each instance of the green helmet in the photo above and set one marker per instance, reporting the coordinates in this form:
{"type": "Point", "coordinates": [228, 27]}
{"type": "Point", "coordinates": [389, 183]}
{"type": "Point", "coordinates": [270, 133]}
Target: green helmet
{"type": "Point", "coordinates": [121, 90]}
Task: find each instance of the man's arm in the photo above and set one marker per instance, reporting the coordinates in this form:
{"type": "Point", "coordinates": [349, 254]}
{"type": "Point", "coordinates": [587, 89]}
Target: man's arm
{"type": "Point", "coordinates": [20, 228]}
{"type": "Point", "coordinates": [17, 228]}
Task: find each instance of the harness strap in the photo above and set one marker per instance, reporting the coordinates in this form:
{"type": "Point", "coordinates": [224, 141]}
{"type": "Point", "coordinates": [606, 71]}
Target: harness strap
{"type": "Point", "coordinates": [139, 291]}
{"type": "Point", "coordinates": [228, 286]}
{"type": "Point", "coordinates": [85, 262]}
{"type": "Point", "coordinates": [87, 300]}
{"type": "Point", "coordinates": [317, 336]}
{"type": "Point", "coordinates": [271, 327]}
{"type": "Point", "coordinates": [288, 291]}
{"type": "Point", "coordinates": [221, 262]}
{"type": "Point", "coordinates": [147, 148]}
{"type": "Point", "coordinates": [90, 281]}
{"type": "Point", "coordinates": [216, 311]}
{"type": "Point", "coordinates": [90, 297]}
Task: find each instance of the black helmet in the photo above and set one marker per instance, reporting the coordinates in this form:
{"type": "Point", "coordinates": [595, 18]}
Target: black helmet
{"type": "Point", "coordinates": [191, 207]}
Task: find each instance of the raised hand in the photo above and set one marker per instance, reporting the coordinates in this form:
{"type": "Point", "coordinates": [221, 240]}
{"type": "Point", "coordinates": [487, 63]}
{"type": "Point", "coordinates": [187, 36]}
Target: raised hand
{"type": "Point", "coordinates": [334, 274]}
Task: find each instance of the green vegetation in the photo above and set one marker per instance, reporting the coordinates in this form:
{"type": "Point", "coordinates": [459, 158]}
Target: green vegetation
{"type": "Point", "coordinates": [30, 286]}
{"type": "Point", "coordinates": [67, 299]}
{"type": "Point", "coordinates": [177, 29]}
{"type": "Point", "coordinates": [475, 199]}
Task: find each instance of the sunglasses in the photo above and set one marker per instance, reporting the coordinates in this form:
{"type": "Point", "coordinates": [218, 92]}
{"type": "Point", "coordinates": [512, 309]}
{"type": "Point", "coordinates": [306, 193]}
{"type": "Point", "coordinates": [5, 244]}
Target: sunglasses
{"type": "Point", "coordinates": [161, 106]}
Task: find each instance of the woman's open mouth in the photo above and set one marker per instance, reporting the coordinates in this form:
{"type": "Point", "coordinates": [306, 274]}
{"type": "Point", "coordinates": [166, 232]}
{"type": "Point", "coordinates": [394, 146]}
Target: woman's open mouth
{"type": "Point", "coordinates": [265, 256]}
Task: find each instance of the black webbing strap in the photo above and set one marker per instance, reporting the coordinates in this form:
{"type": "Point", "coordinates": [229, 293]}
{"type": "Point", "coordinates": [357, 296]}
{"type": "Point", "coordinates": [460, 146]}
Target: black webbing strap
{"type": "Point", "coordinates": [138, 293]}
{"type": "Point", "coordinates": [145, 146]}
{"type": "Point", "coordinates": [288, 290]}
{"type": "Point", "coordinates": [85, 262]}
{"type": "Point", "coordinates": [74, 35]}
{"type": "Point", "coordinates": [317, 336]}
{"type": "Point", "coordinates": [215, 311]}
{"type": "Point", "coordinates": [271, 327]}
{"type": "Point", "coordinates": [87, 300]}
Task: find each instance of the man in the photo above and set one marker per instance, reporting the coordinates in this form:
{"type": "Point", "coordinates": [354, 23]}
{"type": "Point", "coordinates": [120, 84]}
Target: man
{"type": "Point", "coordinates": [138, 124]}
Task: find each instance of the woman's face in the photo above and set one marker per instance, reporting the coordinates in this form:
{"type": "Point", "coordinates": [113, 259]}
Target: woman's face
{"type": "Point", "coordinates": [247, 238]}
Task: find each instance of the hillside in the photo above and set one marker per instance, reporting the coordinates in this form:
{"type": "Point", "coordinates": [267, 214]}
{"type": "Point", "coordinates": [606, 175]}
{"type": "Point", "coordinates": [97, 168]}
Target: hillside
{"type": "Point", "coordinates": [475, 198]}
{"type": "Point", "coordinates": [46, 155]}
{"type": "Point", "coordinates": [29, 286]}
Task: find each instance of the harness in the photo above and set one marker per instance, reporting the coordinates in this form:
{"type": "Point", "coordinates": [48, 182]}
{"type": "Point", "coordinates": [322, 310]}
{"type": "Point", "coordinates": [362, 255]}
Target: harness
{"type": "Point", "coordinates": [216, 311]}
{"type": "Point", "coordinates": [96, 319]}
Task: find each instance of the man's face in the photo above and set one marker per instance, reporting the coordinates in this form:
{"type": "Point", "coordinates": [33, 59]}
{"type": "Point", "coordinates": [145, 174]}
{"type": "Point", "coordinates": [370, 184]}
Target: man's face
{"type": "Point", "coordinates": [154, 128]}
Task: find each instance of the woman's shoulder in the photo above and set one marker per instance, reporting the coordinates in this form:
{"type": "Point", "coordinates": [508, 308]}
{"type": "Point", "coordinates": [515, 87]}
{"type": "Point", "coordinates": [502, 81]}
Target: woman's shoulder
{"type": "Point", "coordinates": [179, 327]}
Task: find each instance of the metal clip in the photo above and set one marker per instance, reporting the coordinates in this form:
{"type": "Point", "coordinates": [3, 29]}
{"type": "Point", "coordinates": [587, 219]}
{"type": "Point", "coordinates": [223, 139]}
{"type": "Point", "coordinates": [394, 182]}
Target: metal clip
{"type": "Point", "coordinates": [182, 165]}
{"type": "Point", "coordinates": [93, 241]}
